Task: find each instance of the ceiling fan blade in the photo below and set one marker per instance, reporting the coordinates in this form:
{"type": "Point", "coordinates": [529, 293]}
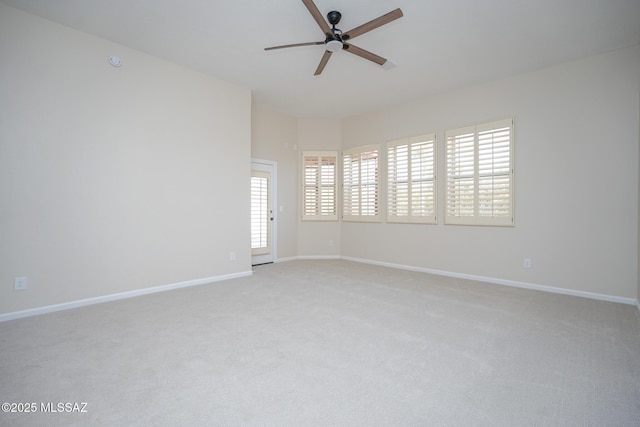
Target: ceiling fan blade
{"type": "Point", "coordinates": [323, 62]}
{"type": "Point", "coordinates": [313, 9]}
{"type": "Point", "coordinates": [365, 54]}
{"type": "Point", "coordinates": [293, 45]}
{"type": "Point", "coordinates": [372, 25]}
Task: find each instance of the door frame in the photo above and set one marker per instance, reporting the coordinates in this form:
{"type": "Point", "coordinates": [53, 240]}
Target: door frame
{"type": "Point", "coordinates": [271, 167]}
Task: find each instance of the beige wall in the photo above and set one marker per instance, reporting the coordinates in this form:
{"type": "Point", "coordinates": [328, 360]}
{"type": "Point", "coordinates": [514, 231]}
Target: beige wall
{"type": "Point", "coordinates": [319, 238]}
{"type": "Point", "coordinates": [117, 179]}
{"type": "Point", "coordinates": [114, 179]}
{"type": "Point", "coordinates": [577, 157]}
{"type": "Point", "coordinates": [282, 139]}
{"type": "Point", "coordinates": [274, 138]}
{"type": "Point", "coordinates": [576, 130]}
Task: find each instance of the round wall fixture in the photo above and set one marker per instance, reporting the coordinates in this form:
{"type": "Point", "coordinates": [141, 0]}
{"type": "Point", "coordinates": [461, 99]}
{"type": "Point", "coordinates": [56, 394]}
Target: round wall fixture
{"type": "Point", "coordinates": [115, 61]}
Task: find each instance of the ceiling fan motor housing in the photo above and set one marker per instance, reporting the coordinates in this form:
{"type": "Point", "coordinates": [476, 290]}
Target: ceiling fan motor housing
{"type": "Point", "coordinates": [334, 17]}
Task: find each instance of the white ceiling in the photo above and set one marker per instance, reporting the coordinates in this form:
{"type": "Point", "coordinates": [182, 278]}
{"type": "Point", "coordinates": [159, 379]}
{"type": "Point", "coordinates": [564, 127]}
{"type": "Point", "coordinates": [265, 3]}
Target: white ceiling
{"type": "Point", "coordinates": [438, 45]}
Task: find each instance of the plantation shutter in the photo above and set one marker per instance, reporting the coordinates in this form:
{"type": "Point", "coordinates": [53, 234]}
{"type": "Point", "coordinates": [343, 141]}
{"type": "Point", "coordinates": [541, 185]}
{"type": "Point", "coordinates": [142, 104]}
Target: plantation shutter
{"type": "Point", "coordinates": [360, 184]}
{"type": "Point", "coordinates": [495, 175]}
{"type": "Point", "coordinates": [411, 189]}
{"type": "Point", "coordinates": [319, 188]}
{"type": "Point", "coordinates": [479, 189]}
{"type": "Point", "coordinates": [350, 185]}
{"type": "Point", "coordinates": [398, 177]}
{"type": "Point", "coordinates": [460, 176]}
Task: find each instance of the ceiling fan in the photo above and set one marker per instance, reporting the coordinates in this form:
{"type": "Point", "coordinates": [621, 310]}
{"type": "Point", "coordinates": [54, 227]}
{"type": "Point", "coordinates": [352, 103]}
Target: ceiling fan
{"type": "Point", "coordinates": [336, 40]}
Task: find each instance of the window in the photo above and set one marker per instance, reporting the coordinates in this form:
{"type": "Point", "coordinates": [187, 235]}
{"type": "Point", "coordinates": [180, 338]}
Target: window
{"type": "Point", "coordinates": [411, 190]}
{"type": "Point", "coordinates": [480, 174]}
{"type": "Point", "coordinates": [360, 184]}
{"type": "Point", "coordinates": [319, 187]}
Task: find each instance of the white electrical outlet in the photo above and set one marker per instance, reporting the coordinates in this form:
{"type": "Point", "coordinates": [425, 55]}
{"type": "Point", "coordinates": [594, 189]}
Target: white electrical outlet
{"type": "Point", "coordinates": [232, 256]}
{"type": "Point", "coordinates": [330, 242]}
{"type": "Point", "coordinates": [20, 283]}
{"type": "Point", "coordinates": [527, 263]}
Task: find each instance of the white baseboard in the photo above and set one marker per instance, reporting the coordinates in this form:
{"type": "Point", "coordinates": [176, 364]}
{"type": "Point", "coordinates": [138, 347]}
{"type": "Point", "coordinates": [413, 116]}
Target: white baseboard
{"type": "Point", "coordinates": [293, 258]}
{"type": "Point", "coordinates": [113, 297]}
{"type": "Point", "coordinates": [512, 283]}
{"type": "Point", "coordinates": [311, 257]}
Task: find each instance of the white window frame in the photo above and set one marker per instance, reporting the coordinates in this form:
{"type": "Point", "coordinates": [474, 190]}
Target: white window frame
{"type": "Point", "coordinates": [411, 169]}
{"type": "Point", "coordinates": [361, 184]}
{"type": "Point", "coordinates": [319, 186]}
{"type": "Point", "coordinates": [480, 174]}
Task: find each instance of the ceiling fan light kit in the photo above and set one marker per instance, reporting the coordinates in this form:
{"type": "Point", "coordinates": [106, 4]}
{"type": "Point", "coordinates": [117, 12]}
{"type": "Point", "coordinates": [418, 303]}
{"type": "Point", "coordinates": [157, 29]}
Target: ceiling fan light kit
{"type": "Point", "coordinates": [334, 45]}
{"type": "Point", "coordinates": [336, 40]}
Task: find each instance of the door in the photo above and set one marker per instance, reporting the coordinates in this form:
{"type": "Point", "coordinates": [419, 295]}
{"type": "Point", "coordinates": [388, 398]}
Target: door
{"type": "Point", "coordinates": [262, 212]}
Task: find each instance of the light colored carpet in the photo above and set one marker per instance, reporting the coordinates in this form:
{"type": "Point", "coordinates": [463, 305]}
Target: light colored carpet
{"type": "Point", "coordinates": [330, 343]}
